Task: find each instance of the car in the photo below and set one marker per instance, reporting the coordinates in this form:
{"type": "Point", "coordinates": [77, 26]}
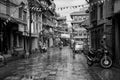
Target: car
{"type": "Point", "coordinates": [78, 48]}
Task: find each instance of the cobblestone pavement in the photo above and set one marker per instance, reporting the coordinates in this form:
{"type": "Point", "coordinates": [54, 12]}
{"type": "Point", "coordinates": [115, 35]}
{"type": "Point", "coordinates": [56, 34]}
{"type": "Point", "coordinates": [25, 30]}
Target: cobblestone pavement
{"type": "Point", "coordinates": [54, 65]}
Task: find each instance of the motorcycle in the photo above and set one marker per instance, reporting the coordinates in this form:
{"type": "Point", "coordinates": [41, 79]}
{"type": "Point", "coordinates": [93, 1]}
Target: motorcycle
{"type": "Point", "coordinates": [106, 60]}
{"type": "Point", "coordinates": [101, 56]}
{"type": "Point", "coordinates": [92, 57]}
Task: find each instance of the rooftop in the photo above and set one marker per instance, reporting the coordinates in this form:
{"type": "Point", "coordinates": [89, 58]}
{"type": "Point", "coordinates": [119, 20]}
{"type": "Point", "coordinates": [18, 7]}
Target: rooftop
{"type": "Point", "coordinates": [79, 13]}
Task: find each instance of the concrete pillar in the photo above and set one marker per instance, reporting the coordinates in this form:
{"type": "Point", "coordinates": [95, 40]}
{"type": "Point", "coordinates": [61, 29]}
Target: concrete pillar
{"type": "Point", "coordinates": [11, 37]}
{"type": "Point", "coordinates": [17, 40]}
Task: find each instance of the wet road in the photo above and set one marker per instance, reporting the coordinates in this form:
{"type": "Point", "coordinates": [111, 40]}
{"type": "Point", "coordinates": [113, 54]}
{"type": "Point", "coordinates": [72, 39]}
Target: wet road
{"type": "Point", "coordinates": [58, 65]}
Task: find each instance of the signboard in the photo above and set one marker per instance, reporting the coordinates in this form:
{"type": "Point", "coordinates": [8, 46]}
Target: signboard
{"type": "Point", "coordinates": [65, 35]}
{"type": "Point", "coordinates": [21, 28]}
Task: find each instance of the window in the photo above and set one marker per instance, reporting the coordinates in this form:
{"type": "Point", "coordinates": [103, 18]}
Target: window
{"type": "Point", "coordinates": [81, 39]}
{"type": "Point", "coordinates": [20, 12]}
{"type": "Point", "coordinates": [85, 34]}
{"type": "Point", "coordinates": [93, 12]}
{"type": "Point", "coordinates": [101, 11]}
{"type": "Point", "coordinates": [77, 39]}
{"type": "Point", "coordinates": [20, 41]}
{"type": "Point", "coordinates": [75, 34]}
{"type": "Point", "coordinates": [84, 18]}
{"type": "Point", "coordinates": [80, 18]}
{"type": "Point", "coordinates": [80, 34]}
{"type": "Point", "coordinates": [37, 16]}
{"type": "Point", "coordinates": [34, 27]}
{"type": "Point", "coordinates": [37, 27]}
{"type": "Point", "coordinates": [25, 16]}
{"type": "Point", "coordinates": [75, 19]}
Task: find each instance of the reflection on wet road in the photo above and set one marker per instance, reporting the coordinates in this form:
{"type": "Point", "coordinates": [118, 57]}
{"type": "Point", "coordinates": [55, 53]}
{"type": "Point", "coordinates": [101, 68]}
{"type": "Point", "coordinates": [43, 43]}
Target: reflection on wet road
{"type": "Point", "coordinates": [55, 65]}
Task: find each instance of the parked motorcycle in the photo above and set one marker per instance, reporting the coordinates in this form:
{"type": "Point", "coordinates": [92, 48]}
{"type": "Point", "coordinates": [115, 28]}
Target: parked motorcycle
{"type": "Point", "coordinates": [92, 57]}
{"type": "Point", "coordinates": [101, 56]}
{"type": "Point", "coordinates": [106, 60]}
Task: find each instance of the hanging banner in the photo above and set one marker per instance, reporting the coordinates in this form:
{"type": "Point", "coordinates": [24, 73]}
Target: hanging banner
{"type": "Point", "coordinates": [73, 7]}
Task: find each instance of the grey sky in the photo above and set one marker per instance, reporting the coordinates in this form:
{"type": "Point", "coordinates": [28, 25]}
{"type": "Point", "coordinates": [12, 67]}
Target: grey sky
{"type": "Point", "coordinates": [64, 3]}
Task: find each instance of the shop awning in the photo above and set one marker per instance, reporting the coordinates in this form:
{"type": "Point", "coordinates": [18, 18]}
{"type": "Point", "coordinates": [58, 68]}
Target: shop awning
{"type": "Point", "coordinates": [11, 19]}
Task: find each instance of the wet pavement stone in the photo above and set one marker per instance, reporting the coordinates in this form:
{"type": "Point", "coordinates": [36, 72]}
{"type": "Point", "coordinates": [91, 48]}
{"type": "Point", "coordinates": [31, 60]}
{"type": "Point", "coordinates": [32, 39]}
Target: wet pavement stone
{"type": "Point", "coordinates": [55, 65]}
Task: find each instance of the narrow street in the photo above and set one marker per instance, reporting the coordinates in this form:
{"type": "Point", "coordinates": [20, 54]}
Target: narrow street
{"type": "Point", "coordinates": [32, 33]}
{"type": "Point", "coordinates": [58, 65]}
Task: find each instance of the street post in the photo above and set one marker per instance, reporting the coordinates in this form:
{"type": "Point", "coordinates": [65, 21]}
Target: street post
{"type": "Point", "coordinates": [30, 21]}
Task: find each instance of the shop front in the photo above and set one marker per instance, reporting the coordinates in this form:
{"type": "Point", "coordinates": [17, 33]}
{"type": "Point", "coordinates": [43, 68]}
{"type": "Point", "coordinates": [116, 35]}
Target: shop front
{"type": "Point", "coordinates": [8, 37]}
{"type": "Point", "coordinates": [11, 36]}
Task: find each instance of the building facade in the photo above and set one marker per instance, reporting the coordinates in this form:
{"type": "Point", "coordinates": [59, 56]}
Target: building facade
{"type": "Point", "coordinates": [104, 21]}
{"type": "Point", "coordinates": [13, 22]}
{"type": "Point", "coordinates": [48, 23]}
{"type": "Point", "coordinates": [116, 28]}
{"type": "Point", "coordinates": [62, 24]}
{"type": "Point", "coordinates": [21, 24]}
{"type": "Point", "coordinates": [79, 32]}
{"type": "Point", "coordinates": [100, 25]}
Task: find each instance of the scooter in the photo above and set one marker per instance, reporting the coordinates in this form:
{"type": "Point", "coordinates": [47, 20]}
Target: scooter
{"type": "Point", "coordinates": [101, 56]}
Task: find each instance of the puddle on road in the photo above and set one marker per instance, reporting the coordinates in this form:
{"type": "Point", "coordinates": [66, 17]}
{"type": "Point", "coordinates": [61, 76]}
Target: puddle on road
{"type": "Point", "coordinates": [54, 68]}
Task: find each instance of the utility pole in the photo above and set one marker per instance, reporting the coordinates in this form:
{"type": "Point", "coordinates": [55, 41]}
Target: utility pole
{"type": "Point", "coordinates": [30, 21]}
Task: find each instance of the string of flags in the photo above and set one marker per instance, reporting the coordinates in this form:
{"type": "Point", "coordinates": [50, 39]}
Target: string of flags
{"type": "Point", "coordinates": [81, 6]}
{"type": "Point", "coordinates": [73, 7]}
{"type": "Point", "coordinates": [63, 8]}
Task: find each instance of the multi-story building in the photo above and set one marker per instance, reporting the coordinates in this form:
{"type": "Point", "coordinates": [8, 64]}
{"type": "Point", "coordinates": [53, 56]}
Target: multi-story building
{"type": "Point", "coordinates": [13, 22]}
{"type": "Point", "coordinates": [104, 21]}
{"type": "Point", "coordinates": [100, 25]}
{"type": "Point", "coordinates": [19, 29]}
{"type": "Point", "coordinates": [62, 24]}
{"type": "Point", "coordinates": [35, 11]}
{"type": "Point", "coordinates": [61, 31]}
{"type": "Point", "coordinates": [48, 22]}
{"type": "Point", "coordinates": [79, 32]}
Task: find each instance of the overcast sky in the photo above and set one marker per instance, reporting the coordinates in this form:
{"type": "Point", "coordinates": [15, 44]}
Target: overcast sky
{"type": "Point", "coordinates": [64, 3]}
